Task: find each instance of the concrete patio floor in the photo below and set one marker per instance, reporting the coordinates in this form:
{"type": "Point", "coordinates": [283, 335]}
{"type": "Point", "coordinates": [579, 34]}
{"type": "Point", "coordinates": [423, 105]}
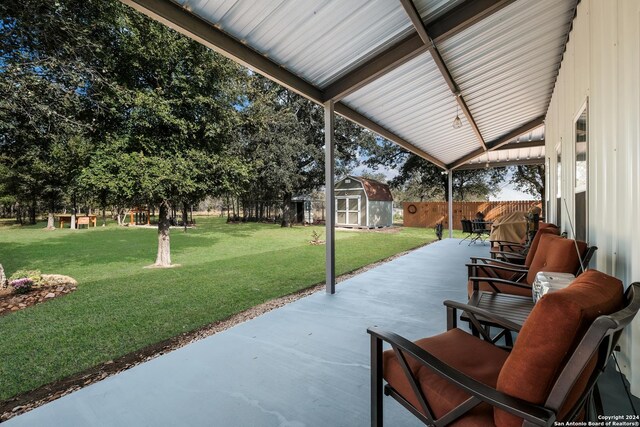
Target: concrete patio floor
{"type": "Point", "coordinates": [305, 364]}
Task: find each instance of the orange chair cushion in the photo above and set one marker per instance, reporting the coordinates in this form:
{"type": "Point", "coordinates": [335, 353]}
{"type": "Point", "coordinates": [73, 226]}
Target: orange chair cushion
{"type": "Point", "coordinates": [543, 225]}
{"type": "Point", "coordinates": [536, 241]}
{"type": "Point", "coordinates": [460, 350]}
{"type": "Point", "coordinates": [556, 254]}
{"type": "Point", "coordinates": [548, 337]}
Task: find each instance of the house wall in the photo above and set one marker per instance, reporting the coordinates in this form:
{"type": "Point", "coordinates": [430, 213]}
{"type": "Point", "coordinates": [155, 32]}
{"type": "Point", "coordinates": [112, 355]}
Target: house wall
{"type": "Point", "coordinates": [380, 214]}
{"type": "Point", "coordinates": [602, 64]}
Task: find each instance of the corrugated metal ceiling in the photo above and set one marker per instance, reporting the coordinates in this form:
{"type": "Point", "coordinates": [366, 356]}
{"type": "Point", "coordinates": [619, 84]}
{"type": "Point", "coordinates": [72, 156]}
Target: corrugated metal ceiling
{"type": "Point", "coordinates": [514, 155]}
{"type": "Point", "coordinates": [317, 40]}
{"type": "Point", "coordinates": [505, 65]}
{"type": "Point", "coordinates": [414, 102]}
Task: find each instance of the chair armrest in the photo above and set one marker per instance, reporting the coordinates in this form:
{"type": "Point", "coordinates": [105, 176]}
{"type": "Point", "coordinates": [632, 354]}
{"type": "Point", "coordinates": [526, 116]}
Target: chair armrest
{"type": "Point", "coordinates": [497, 262]}
{"type": "Point", "coordinates": [508, 254]}
{"type": "Point", "coordinates": [515, 269]}
{"type": "Point", "coordinates": [496, 281]}
{"type": "Point", "coordinates": [513, 247]}
{"type": "Point", "coordinates": [509, 257]}
{"type": "Point", "coordinates": [472, 310]}
{"type": "Point", "coordinates": [505, 242]}
{"type": "Point", "coordinates": [491, 270]}
{"type": "Point", "coordinates": [536, 414]}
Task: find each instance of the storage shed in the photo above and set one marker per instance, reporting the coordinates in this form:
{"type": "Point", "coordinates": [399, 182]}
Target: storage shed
{"type": "Point", "coordinates": [363, 202]}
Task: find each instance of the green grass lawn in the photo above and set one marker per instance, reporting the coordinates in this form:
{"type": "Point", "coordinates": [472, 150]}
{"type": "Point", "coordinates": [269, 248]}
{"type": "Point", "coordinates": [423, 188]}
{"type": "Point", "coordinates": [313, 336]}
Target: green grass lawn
{"type": "Point", "coordinates": [121, 307]}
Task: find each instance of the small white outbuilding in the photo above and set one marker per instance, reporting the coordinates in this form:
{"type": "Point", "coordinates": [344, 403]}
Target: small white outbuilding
{"type": "Point", "coordinates": [363, 202]}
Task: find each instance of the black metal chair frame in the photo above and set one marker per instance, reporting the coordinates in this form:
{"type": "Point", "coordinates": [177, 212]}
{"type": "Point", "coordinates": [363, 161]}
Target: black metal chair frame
{"type": "Point", "coordinates": [480, 230]}
{"type": "Point", "coordinates": [510, 251]}
{"type": "Point", "coordinates": [601, 339]}
{"type": "Point", "coordinates": [466, 228]}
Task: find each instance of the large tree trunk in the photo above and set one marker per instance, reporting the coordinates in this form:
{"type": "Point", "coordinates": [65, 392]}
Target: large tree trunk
{"type": "Point", "coordinates": [185, 218]}
{"type": "Point", "coordinates": [118, 215]}
{"type": "Point", "coordinates": [164, 249]}
{"type": "Point", "coordinates": [73, 214]}
{"type": "Point", "coordinates": [286, 211]}
{"type": "Point", "coordinates": [32, 213]}
{"type": "Point", "coordinates": [50, 220]}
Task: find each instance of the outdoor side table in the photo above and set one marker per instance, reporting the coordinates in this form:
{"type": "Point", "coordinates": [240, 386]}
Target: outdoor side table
{"type": "Point", "coordinates": [515, 308]}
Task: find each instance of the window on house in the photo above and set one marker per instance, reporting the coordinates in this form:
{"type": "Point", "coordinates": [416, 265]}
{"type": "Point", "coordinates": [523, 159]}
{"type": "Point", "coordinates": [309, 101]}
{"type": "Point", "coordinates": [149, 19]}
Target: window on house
{"type": "Point", "coordinates": [581, 173]}
{"type": "Point", "coordinates": [559, 206]}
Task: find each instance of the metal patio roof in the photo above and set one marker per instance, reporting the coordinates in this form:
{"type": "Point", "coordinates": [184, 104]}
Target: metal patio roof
{"type": "Point", "coordinates": [401, 68]}
{"type": "Point", "coordinates": [527, 149]}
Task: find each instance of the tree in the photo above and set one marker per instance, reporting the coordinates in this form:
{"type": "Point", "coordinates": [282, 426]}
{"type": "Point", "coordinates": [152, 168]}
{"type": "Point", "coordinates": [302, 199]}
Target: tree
{"type": "Point", "coordinates": [176, 101]}
{"type": "Point", "coordinates": [46, 64]}
{"type": "Point", "coordinates": [420, 179]}
{"type": "Point", "coordinates": [529, 179]}
{"type": "Point", "coordinates": [282, 134]}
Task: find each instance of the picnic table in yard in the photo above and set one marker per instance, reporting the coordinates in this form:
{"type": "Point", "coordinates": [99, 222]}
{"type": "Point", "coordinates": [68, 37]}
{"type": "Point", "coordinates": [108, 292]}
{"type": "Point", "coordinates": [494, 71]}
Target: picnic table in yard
{"type": "Point", "coordinates": [80, 220]}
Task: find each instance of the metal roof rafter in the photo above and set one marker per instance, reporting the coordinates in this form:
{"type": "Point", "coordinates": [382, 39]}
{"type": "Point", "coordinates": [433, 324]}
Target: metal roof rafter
{"type": "Point", "coordinates": [416, 19]}
{"type": "Point", "coordinates": [451, 23]}
{"type": "Point", "coordinates": [525, 144]}
{"type": "Point", "coordinates": [497, 143]}
{"type": "Point", "coordinates": [520, 162]}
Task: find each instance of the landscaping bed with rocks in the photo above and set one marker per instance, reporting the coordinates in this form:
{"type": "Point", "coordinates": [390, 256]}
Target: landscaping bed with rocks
{"type": "Point", "coordinates": [49, 286]}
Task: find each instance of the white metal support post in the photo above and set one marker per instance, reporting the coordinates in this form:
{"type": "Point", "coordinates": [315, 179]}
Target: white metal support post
{"type": "Point", "coordinates": [330, 216]}
{"type": "Point", "coordinates": [450, 173]}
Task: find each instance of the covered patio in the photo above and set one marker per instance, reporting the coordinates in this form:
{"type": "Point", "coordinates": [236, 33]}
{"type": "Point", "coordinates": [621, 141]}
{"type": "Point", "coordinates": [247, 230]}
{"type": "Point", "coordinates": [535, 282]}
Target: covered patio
{"type": "Point", "coordinates": [526, 81]}
{"type": "Point", "coordinates": [465, 84]}
{"type": "Point", "coordinates": [305, 364]}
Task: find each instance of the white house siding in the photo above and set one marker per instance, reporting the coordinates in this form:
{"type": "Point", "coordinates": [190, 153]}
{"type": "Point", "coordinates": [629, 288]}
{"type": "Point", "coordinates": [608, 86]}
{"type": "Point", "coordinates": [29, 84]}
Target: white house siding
{"type": "Point", "coordinates": [602, 63]}
{"type": "Point", "coordinates": [380, 214]}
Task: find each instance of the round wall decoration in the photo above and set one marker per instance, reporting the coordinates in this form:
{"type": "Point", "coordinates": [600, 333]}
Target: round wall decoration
{"type": "Point", "coordinates": [412, 209]}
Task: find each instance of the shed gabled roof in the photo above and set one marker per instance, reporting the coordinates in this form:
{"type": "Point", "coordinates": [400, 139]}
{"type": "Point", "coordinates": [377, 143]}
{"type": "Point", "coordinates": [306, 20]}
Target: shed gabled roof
{"type": "Point", "coordinates": [403, 68]}
{"type": "Point", "coordinates": [376, 190]}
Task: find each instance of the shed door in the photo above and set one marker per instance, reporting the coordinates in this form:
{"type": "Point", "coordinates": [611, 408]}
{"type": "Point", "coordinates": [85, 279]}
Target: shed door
{"type": "Point", "coordinates": [348, 210]}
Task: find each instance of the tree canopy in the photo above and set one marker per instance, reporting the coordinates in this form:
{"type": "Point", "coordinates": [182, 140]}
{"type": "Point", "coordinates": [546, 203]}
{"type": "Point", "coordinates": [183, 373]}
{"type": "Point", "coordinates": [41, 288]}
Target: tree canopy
{"type": "Point", "coordinates": [101, 106]}
{"type": "Point", "coordinates": [419, 179]}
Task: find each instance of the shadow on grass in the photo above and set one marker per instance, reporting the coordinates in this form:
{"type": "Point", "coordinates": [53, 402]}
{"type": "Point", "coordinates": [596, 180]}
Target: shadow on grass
{"type": "Point", "coordinates": [86, 248]}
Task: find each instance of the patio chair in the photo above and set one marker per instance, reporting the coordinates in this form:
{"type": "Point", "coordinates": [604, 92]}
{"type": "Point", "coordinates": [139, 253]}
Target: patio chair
{"type": "Point", "coordinates": [466, 228]}
{"type": "Point", "coordinates": [520, 254]}
{"type": "Point", "coordinates": [553, 253]}
{"type": "Point", "coordinates": [482, 266]}
{"type": "Point", "coordinates": [513, 251]}
{"type": "Point", "coordinates": [548, 376]}
{"type": "Point", "coordinates": [480, 230]}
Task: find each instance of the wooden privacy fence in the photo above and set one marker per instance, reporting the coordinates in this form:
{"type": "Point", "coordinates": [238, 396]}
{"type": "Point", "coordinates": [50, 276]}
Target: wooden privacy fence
{"type": "Point", "coordinates": [428, 214]}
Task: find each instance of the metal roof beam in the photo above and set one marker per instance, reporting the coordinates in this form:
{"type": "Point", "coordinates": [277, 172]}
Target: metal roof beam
{"type": "Point", "coordinates": [535, 161]}
{"type": "Point", "coordinates": [417, 22]}
{"type": "Point", "coordinates": [363, 121]}
{"type": "Point", "coordinates": [503, 140]}
{"type": "Point", "coordinates": [525, 144]}
{"type": "Point", "coordinates": [448, 25]}
{"type": "Point", "coordinates": [398, 54]}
